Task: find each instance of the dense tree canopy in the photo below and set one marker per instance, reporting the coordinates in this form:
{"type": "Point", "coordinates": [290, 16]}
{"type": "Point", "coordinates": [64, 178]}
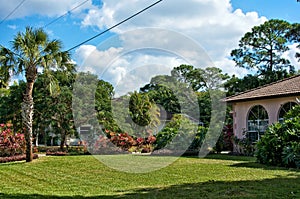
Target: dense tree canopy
{"type": "Point", "coordinates": [61, 94]}
{"type": "Point", "coordinates": [10, 106]}
{"type": "Point", "coordinates": [198, 78]}
{"type": "Point", "coordinates": [103, 101]}
{"type": "Point", "coordinates": [54, 111]}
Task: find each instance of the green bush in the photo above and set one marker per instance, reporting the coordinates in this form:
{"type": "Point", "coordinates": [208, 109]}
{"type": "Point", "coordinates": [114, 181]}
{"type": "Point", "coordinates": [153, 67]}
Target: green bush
{"type": "Point", "coordinates": [270, 147]}
{"type": "Point", "coordinates": [179, 132]}
{"type": "Point", "coordinates": [245, 146]}
{"type": "Point", "coordinates": [280, 145]}
{"type": "Point", "coordinates": [199, 138]}
{"type": "Point", "coordinates": [291, 155]}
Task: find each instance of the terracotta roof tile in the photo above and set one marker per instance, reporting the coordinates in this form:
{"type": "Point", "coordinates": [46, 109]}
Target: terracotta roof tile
{"type": "Point", "coordinates": [285, 87]}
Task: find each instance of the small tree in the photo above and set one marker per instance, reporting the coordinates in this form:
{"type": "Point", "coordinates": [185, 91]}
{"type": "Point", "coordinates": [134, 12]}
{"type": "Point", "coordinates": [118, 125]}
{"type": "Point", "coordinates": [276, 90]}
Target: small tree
{"type": "Point", "coordinates": [143, 112]}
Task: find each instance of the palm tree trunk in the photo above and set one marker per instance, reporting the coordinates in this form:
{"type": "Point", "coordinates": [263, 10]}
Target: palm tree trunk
{"type": "Point", "coordinates": [27, 113]}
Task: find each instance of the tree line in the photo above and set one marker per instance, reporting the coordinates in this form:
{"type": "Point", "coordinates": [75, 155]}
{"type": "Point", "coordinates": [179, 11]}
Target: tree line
{"type": "Point", "coordinates": [43, 99]}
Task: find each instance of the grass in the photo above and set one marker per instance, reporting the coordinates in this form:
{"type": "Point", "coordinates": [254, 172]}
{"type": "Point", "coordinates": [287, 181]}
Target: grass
{"type": "Point", "coordinates": [217, 176]}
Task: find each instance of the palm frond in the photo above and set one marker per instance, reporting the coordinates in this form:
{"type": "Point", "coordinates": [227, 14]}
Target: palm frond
{"type": "Point", "coordinates": [54, 87]}
{"type": "Point", "coordinates": [7, 64]}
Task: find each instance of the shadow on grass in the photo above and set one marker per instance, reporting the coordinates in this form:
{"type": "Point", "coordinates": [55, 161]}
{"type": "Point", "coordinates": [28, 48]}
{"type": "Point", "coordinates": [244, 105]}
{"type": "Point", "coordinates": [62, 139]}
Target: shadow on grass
{"type": "Point", "coordinates": [255, 165]}
{"type": "Point", "coordinates": [288, 187]}
{"type": "Point", "coordinates": [247, 161]}
{"type": "Point", "coordinates": [230, 157]}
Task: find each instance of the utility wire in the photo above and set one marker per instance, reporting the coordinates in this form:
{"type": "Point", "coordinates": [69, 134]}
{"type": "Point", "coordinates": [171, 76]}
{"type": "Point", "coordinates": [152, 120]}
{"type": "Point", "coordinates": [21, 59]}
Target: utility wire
{"type": "Point", "coordinates": [121, 22]}
{"type": "Point", "coordinates": [12, 12]}
{"type": "Point", "coordinates": [65, 14]}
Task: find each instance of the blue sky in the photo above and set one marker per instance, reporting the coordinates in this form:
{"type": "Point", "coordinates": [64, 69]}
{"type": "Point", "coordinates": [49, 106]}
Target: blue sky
{"type": "Point", "coordinates": [215, 25]}
{"type": "Point", "coordinates": [69, 31]}
{"type": "Point", "coordinates": [286, 10]}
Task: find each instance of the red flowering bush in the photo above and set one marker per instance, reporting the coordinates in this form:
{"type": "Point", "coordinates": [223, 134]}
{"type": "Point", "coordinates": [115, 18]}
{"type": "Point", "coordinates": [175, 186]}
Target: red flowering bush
{"type": "Point", "coordinates": [103, 145]}
{"type": "Point", "coordinates": [112, 142]}
{"type": "Point", "coordinates": [11, 143]}
{"type": "Point", "coordinates": [122, 140]}
{"type": "Point", "coordinates": [16, 158]}
{"type": "Point", "coordinates": [132, 144]}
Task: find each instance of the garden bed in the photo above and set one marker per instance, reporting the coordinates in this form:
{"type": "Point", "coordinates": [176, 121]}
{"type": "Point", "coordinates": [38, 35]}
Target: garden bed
{"type": "Point", "coordinates": [16, 158]}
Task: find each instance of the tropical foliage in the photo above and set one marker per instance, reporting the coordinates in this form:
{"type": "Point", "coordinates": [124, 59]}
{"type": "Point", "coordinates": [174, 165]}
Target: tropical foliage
{"type": "Point", "coordinates": [280, 145]}
{"type": "Point", "coordinates": [170, 111]}
{"type": "Point", "coordinates": [181, 134]}
{"type": "Point", "coordinates": [30, 51]}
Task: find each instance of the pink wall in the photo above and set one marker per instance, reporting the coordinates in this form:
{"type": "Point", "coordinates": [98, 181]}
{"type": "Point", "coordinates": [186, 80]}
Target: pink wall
{"type": "Point", "coordinates": [241, 109]}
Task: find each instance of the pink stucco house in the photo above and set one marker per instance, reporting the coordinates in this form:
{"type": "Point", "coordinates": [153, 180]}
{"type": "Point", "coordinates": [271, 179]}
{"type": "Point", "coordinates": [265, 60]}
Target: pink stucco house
{"type": "Point", "coordinates": [255, 109]}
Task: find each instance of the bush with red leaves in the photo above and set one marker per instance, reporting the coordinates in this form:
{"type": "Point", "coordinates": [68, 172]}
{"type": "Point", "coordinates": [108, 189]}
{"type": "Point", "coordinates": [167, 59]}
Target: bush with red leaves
{"type": "Point", "coordinates": [15, 158]}
{"type": "Point", "coordinates": [11, 144]}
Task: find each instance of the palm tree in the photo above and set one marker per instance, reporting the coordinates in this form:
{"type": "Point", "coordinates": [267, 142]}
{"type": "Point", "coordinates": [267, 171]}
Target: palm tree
{"type": "Point", "coordinates": [31, 51]}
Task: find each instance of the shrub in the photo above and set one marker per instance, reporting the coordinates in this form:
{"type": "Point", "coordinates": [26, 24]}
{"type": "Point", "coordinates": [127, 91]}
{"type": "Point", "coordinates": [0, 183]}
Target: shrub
{"type": "Point", "coordinates": [103, 145]}
{"type": "Point", "coordinates": [270, 146]}
{"type": "Point", "coordinates": [198, 139]}
{"type": "Point", "coordinates": [16, 158]}
{"type": "Point", "coordinates": [11, 143]}
{"type": "Point", "coordinates": [55, 150]}
{"type": "Point", "coordinates": [114, 142]}
{"type": "Point", "coordinates": [181, 134]}
{"type": "Point", "coordinates": [280, 145]}
{"type": "Point", "coordinates": [244, 146]}
{"type": "Point", "coordinates": [291, 155]}
{"type": "Point", "coordinates": [225, 141]}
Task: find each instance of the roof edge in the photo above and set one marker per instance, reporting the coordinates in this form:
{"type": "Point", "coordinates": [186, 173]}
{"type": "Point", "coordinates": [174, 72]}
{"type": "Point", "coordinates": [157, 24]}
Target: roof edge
{"type": "Point", "coordinates": [227, 99]}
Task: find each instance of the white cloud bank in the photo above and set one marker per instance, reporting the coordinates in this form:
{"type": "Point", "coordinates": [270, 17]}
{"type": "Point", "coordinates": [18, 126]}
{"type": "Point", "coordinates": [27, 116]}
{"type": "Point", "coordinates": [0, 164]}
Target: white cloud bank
{"type": "Point", "coordinates": [127, 70]}
{"type": "Point", "coordinates": [211, 23]}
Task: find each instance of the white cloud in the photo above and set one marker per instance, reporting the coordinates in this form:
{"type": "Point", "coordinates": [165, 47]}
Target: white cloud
{"type": "Point", "coordinates": [290, 55]}
{"type": "Point", "coordinates": [198, 32]}
{"type": "Point", "coordinates": [230, 68]}
{"type": "Point", "coordinates": [13, 27]}
{"type": "Point", "coordinates": [126, 70]}
{"type": "Point", "coordinates": [211, 23]}
{"type": "Point", "coordinates": [50, 8]}
{"type": "Point", "coordinates": [88, 57]}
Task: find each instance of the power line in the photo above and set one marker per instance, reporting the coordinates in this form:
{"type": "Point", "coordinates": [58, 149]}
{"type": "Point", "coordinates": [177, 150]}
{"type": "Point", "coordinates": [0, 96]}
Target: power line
{"type": "Point", "coordinates": [65, 14]}
{"type": "Point", "coordinates": [12, 12]}
{"type": "Point", "coordinates": [121, 22]}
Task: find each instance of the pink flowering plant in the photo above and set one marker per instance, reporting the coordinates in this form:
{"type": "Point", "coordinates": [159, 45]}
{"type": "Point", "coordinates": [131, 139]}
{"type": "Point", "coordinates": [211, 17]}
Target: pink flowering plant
{"type": "Point", "coordinates": [11, 143]}
{"type": "Point", "coordinates": [125, 142]}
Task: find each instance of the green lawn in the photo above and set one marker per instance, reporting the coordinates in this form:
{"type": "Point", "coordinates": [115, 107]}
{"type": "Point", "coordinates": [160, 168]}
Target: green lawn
{"type": "Point", "coordinates": [217, 176]}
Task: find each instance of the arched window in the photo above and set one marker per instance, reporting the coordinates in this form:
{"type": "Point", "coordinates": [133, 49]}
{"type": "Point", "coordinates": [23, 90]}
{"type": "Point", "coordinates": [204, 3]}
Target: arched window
{"type": "Point", "coordinates": [257, 121]}
{"type": "Point", "coordinates": [284, 109]}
